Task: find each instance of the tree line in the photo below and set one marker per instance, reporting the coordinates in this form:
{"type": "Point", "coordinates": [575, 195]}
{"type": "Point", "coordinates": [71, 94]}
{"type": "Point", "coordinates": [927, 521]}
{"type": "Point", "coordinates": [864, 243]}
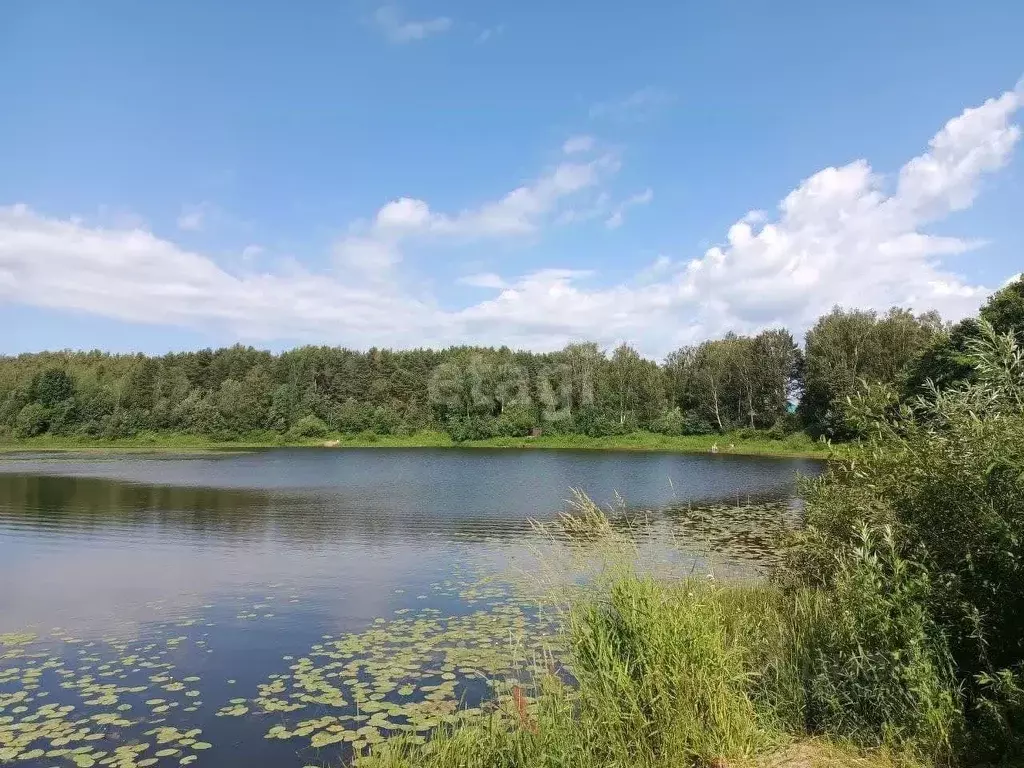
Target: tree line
{"type": "Point", "coordinates": [763, 382]}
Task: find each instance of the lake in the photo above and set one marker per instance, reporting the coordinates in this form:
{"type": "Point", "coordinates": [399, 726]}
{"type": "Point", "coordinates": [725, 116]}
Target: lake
{"type": "Point", "coordinates": [280, 607]}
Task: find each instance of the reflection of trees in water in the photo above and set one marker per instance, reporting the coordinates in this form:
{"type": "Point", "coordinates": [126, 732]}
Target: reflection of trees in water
{"type": "Point", "coordinates": [313, 517]}
{"type": "Point", "coordinates": [94, 503]}
{"type": "Point", "coordinates": [319, 518]}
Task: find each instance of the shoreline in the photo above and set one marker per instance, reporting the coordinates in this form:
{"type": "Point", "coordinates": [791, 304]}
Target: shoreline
{"type": "Point", "coordinates": [794, 446]}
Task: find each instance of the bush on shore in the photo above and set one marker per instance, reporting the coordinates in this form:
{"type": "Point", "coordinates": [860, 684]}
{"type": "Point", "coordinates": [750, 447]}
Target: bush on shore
{"type": "Point", "coordinates": [948, 475]}
{"type": "Point", "coordinates": [895, 623]}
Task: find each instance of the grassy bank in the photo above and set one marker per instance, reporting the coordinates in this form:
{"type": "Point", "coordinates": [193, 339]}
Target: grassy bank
{"type": "Point", "coordinates": [176, 442]}
{"type": "Point", "coordinates": [695, 673]}
{"type": "Point", "coordinates": [891, 632]}
{"type": "Point", "coordinates": [796, 445]}
{"type": "Point", "coordinates": [660, 673]}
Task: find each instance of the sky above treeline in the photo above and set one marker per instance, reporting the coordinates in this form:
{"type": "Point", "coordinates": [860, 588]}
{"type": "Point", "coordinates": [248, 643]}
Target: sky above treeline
{"type": "Point", "coordinates": [177, 175]}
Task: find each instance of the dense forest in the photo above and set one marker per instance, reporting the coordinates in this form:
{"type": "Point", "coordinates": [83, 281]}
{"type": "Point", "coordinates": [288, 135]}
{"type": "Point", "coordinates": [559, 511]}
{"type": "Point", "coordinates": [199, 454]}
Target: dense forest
{"type": "Point", "coordinates": [763, 382]}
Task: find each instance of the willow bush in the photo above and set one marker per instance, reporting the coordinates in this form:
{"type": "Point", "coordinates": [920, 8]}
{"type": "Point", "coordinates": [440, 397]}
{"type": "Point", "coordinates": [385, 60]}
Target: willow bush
{"type": "Point", "coordinates": [947, 474]}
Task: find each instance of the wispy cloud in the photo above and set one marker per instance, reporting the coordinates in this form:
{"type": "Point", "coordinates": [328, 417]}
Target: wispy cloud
{"type": "Point", "coordinates": [119, 218]}
{"type": "Point", "coordinates": [637, 106]}
{"type": "Point", "coordinates": [194, 218]}
{"type": "Point", "coordinates": [398, 29]}
{"type": "Point", "coordinates": [252, 251]}
{"type": "Point", "coordinates": [657, 269]}
{"type": "Point", "coordinates": [577, 144]}
{"type": "Point", "coordinates": [619, 214]}
{"type": "Point", "coordinates": [483, 280]}
{"type": "Point", "coordinates": [489, 34]}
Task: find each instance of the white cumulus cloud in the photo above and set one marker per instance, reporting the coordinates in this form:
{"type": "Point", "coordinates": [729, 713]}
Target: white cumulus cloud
{"type": "Point", "coordinates": [845, 235]}
{"type": "Point", "coordinates": [135, 276]}
{"type": "Point", "coordinates": [523, 211]}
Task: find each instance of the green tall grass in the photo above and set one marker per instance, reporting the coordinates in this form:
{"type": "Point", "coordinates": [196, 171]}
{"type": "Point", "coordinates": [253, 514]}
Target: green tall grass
{"type": "Point", "coordinates": [697, 673]}
{"type": "Point", "coordinates": [658, 678]}
{"type": "Point", "coordinates": [895, 626]}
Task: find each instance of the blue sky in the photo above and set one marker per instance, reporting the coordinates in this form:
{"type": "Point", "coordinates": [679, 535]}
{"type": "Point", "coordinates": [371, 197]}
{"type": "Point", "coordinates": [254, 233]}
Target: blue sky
{"type": "Point", "coordinates": [185, 174]}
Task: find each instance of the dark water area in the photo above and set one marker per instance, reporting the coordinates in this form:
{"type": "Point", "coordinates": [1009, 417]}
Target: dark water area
{"type": "Point", "coordinates": [292, 603]}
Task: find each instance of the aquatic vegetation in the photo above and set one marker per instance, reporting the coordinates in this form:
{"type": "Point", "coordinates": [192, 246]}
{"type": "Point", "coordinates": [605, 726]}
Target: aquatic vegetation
{"type": "Point", "coordinates": [891, 624]}
{"type": "Point", "coordinates": [128, 703]}
{"type": "Point", "coordinates": [432, 687]}
{"type": "Point", "coordinates": [747, 531]}
{"type": "Point", "coordinates": [100, 691]}
{"type": "Point", "coordinates": [14, 639]}
{"type": "Point", "coordinates": [658, 679]}
{"type": "Point", "coordinates": [470, 648]}
{"type": "Point", "coordinates": [690, 672]}
{"type": "Point", "coordinates": [408, 675]}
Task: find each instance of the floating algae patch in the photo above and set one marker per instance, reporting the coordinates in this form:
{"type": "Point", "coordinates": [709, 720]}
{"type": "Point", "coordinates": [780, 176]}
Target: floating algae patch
{"type": "Point", "coordinates": [66, 701]}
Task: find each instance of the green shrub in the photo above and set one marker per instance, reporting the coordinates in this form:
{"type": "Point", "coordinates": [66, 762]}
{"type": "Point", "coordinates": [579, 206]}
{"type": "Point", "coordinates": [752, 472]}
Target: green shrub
{"type": "Point", "coordinates": [52, 386]}
{"type": "Point", "coordinates": [787, 425]}
{"type": "Point", "coordinates": [881, 672]}
{"type": "Point", "coordinates": [462, 428]}
{"type": "Point", "coordinates": [590, 421]}
{"type": "Point", "coordinates": [64, 417]}
{"type": "Point", "coordinates": [670, 422]}
{"type": "Point", "coordinates": [368, 436]}
{"type": "Point", "coordinates": [310, 426]}
{"type": "Point", "coordinates": [947, 472]}
{"type": "Point", "coordinates": [998, 733]}
{"type": "Point", "coordinates": [124, 423]}
{"type": "Point", "coordinates": [385, 420]}
{"type": "Point", "coordinates": [514, 422]}
{"type": "Point", "coordinates": [32, 420]}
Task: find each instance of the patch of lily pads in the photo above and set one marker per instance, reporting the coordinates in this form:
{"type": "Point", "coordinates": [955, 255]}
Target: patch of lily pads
{"type": "Point", "coordinates": [68, 701]}
{"type": "Point", "coordinates": [73, 702]}
{"type": "Point", "coordinates": [406, 675]}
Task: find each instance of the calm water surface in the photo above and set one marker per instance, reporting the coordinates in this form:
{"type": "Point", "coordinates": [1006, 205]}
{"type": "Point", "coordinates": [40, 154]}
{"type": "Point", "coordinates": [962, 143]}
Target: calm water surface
{"type": "Point", "coordinates": [142, 572]}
